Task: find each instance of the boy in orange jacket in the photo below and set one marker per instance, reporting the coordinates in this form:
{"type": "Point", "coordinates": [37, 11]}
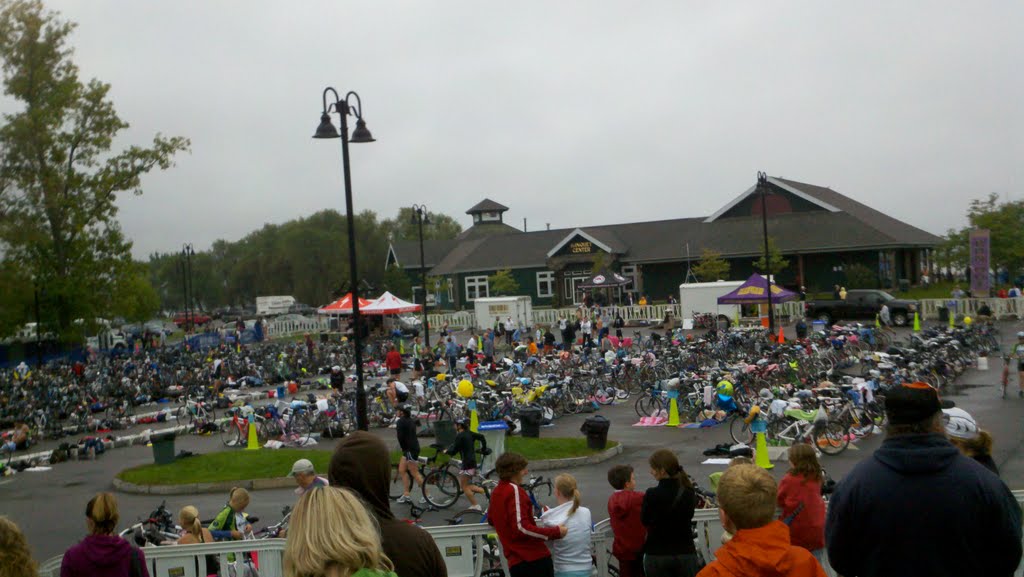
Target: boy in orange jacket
{"type": "Point", "coordinates": [624, 511]}
{"type": "Point", "coordinates": [760, 545]}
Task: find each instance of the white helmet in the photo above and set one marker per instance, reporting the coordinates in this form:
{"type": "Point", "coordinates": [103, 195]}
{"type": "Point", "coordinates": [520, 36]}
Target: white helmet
{"type": "Point", "coordinates": [959, 423]}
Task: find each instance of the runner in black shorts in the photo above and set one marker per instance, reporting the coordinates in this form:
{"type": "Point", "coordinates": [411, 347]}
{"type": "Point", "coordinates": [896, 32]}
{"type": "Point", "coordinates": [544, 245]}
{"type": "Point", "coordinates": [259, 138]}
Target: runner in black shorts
{"type": "Point", "coordinates": [408, 465]}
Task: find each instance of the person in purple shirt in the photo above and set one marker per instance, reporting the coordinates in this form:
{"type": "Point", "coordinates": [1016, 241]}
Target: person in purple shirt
{"type": "Point", "coordinates": [102, 552]}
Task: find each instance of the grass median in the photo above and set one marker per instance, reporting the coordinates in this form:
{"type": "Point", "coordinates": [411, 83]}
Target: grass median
{"type": "Point", "coordinates": [245, 465]}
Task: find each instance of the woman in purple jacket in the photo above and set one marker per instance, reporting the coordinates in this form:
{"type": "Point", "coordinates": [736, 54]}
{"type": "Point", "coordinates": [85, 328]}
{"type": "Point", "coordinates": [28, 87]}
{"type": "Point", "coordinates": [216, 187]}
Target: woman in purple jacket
{"type": "Point", "coordinates": [102, 552]}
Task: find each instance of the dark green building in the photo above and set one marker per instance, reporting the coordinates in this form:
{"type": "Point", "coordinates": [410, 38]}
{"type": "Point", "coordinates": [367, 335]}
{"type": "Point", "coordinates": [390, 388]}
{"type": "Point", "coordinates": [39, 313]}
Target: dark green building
{"type": "Point", "coordinates": [819, 231]}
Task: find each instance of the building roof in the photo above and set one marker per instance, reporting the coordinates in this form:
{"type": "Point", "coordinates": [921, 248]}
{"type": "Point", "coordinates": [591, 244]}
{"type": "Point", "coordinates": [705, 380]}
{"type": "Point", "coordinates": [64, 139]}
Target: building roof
{"type": "Point", "coordinates": [487, 205]}
{"type": "Point", "coordinates": [838, 223]}
{"type": "Point", "coordinates": [482, 229]}
{"type": "Point", "coordinates": [407, 252]}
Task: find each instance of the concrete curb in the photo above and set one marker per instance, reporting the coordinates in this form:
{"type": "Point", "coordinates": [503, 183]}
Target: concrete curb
{"type": "Point", "coordinates": [553, 464]}
{"type": "Point", "coordinates": [284, 482]}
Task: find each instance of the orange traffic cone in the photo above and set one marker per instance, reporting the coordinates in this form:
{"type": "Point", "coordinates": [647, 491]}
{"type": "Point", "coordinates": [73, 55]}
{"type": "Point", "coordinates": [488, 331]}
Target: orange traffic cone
{"type": "Point", "coordinates": [782, 337]}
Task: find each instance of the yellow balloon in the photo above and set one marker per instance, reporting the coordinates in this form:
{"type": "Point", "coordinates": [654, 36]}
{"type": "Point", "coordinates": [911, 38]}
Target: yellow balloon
{"type": "Point", "coordinates": [465, 389]}
{"type": "Point", "coordinates": [967, 321]}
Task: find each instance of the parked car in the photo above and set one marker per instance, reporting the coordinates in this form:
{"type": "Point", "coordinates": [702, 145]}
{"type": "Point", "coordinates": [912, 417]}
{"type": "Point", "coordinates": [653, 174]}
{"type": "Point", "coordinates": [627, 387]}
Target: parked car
{"type": "Point", "coordinates": [861, 305]}
{"type": "Point", "coordinates": [301, 309]}
{"type": "Point", "coordinates": [198, 319]}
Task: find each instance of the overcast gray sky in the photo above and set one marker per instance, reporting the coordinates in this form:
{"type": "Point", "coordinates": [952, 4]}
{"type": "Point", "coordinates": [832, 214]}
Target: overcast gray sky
{"type": "Point", "coordinates": [570, 113]}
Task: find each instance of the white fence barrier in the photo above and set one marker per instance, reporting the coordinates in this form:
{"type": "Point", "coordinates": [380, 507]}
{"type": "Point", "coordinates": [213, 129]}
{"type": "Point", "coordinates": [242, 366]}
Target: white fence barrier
{"type": "Point", "coordinates": [960, 307]}
{"type": "Point", "coordinates": [457, 544]}
{"type": "Point", "coordinates": [630, 314]}
{"type": "Point", "coordinates": [278, 329]}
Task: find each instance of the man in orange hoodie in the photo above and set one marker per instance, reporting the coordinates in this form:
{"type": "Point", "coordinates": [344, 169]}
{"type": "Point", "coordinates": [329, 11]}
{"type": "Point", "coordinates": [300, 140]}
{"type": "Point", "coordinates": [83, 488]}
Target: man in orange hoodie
{"type": "Point", "coordinates": [760, 547]}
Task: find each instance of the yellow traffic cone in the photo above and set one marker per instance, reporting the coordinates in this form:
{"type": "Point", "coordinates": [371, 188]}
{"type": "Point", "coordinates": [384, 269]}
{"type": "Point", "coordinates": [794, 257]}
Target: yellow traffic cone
{"type": "Point", "coordinates": [761, 458]}
{"type": "Point", "coordinates": [254, 442]}
{"type": "Point", "coordinates": [878, 322]}
{"type": "Point", "coordinates": [673, 409]}
{"type": "Point", "coordinates": [474, 419]}
{"type": "Point", "coordinates": [952, 318]}
{"type": "Point", "coordinates": [917, 323]}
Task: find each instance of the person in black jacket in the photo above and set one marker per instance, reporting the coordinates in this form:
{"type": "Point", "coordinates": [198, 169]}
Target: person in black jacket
{"type": "Point", "coordinates": [667, 512]}
{"type": "Point", "coordinates": [918, 506]}
{"type": "Point", "coordinates": [409, 443]}
{"type": "Point", "coordinates": [464, 446]}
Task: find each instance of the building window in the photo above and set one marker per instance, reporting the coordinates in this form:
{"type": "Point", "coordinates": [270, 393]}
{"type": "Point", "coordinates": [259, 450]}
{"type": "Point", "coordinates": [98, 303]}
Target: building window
{"type": "Point", "coordinates": [629, 271]}
{"type": "Point", "coordinates": [545, 284]}
{"type": "Point", "coordinates": [476, 287]}
{"type": "Point", "coordinates": [416, 292]}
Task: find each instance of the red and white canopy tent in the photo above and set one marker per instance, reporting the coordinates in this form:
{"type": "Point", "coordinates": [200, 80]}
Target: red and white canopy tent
{"type": "Point", "coordinates": [343, 306]}
{"type": "Point", "coordinates": [389, 304]}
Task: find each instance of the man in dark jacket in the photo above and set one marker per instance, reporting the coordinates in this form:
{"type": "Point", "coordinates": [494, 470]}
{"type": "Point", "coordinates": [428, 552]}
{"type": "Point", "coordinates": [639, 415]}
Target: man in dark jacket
{"type": "Point", "coordinates": [920, 507]}
{"type": "Point", "coordinates": [361, 463]}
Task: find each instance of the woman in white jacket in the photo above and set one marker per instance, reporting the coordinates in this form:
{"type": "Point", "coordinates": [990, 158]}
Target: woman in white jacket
{"type": "Point", "coordinates": [571, 554]}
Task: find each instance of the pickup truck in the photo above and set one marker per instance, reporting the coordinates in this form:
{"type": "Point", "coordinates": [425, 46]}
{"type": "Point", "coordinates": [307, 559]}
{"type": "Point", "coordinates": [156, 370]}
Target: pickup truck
{"type": "Point", "coordinates": [862, 304]}
{"type": "Point", "coordinates": [199, 319]}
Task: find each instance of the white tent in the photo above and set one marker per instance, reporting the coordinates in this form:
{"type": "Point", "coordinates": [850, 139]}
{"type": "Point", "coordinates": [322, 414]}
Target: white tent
{"type": "Point", "coordinates": [389, 304]}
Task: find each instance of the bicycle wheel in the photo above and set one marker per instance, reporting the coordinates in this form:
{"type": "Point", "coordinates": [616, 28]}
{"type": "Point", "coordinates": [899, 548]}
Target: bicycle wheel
{"type": "Point", "coordinates": [183, 416]}
{"type": "Point", "coordinates": [467, 517]}
{"type": "Point", "coordinates": [300, 427]}
{"type": "Point", "coordinates": [441, 488]}
{"type": "Point", "coordinates": [833, 438]}
{"type": "Point", "coordinates": [230, 434]}
{"type": "Point", "coordinates": [861, 423]}
{"type": "Point", "coordinates": [740, 431]}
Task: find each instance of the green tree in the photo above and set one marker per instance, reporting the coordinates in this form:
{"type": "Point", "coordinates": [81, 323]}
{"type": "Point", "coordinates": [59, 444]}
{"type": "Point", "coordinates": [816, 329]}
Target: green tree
{"type": "Point", "coordinates": [441, 226]}
{"type": "Point", "coordinates": [60, 177]}
{"type": "Point", "coordinates": [502, 283]}
{"type": "Point", "coordinates": [397, 282]}
{"type": "Point", "coordinates": [775, 264]}
{"type": "Point", "coordinates": [135, 298]}
{"type": "Point", "coordinates": [859, 276]}
{"type": "Point", "coordinates": [711, 267]}
{"type": "Point", "coordinates": [952, 254]}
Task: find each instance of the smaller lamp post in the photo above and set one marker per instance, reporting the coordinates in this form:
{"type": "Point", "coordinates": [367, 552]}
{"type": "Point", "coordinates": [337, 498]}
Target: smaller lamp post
{"type": "Point", "coordinates": [420, 217]}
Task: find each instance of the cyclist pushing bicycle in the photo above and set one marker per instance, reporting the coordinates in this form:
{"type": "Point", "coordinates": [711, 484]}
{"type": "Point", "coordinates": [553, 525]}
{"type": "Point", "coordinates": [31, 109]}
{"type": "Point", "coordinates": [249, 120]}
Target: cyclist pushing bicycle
{"type": "Point", "coordinates": [464, 446]}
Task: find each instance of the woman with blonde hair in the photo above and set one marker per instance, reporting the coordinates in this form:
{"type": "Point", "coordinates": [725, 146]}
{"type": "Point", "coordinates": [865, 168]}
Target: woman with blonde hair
{"type": "Point", "coordinates": [15, 556]}
{"type": "Point", "coordinates": [102, 552]}
{"type": "Point", "coordinates": [570, 554]}
{"type": "Point", "coordinates": [332, 535]}
{"type": "Point", "coordinates": [195, 533]}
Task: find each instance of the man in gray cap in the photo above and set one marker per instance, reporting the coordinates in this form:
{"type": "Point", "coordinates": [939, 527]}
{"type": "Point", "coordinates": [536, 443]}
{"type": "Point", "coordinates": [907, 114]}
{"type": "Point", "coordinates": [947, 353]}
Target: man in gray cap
{"type": "Point", "coordinates": [305, 476]}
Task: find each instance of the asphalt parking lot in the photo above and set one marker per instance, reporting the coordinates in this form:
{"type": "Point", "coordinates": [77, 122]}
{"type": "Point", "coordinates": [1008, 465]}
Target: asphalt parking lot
{"type": "Point", "coordinates": [49, 506]}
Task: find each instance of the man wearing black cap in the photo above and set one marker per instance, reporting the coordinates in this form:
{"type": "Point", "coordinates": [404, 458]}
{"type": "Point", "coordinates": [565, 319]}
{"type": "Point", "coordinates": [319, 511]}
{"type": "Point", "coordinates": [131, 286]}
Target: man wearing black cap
{"type": "Point", "coordinates": [920, 507]}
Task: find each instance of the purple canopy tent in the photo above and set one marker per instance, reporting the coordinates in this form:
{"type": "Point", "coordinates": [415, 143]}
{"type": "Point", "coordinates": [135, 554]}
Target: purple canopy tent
{"type": "Point", "coordinates": [754, 292]}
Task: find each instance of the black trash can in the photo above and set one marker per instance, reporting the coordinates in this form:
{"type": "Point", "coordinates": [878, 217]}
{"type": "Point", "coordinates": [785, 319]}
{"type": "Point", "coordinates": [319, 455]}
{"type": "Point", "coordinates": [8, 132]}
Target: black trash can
{"type": "Point", "coordinates": [904, 285]}
{"type": "Point", "coordinates": [596, 430]}
{"type": "Point", "coordinates": [943, 314]}
{"type": "Point", "coordinates": [530, 418]}
{"type": "Point", "coordinates": [163, 447]}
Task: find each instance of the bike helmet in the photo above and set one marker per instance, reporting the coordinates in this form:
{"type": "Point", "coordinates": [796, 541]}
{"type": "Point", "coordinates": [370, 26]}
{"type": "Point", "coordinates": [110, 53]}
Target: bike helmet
{"type": "Point", "coordinates": [462, 421]}
{"type": "Point", "coordinates": [959, 424]}
{"type": "Point", "coordinates": [1020, 335]}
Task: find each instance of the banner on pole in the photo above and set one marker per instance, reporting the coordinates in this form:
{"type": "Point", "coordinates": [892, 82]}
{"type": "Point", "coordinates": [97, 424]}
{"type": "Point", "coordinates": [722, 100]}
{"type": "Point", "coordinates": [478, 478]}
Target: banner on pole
{"type": "Point", "coordinates": [979, 240]}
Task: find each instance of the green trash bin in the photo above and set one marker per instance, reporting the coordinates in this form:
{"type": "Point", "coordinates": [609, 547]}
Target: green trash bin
{"type": "Point", "coordinates": [163, 447]}
{"type": "Point", "coordinates": [444, 433]}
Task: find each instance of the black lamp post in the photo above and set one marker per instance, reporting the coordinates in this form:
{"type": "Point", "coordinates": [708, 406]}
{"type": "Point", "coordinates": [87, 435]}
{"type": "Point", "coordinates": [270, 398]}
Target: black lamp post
{"type": "Point", "coordinates": [326, 130]}
{"type": "Point", "coordinates": [39, 340]}
{"type": "Point", "coordinates": [190, 308]}
{"type": "Point", "coordinates": [763, 190]}
{"type": "Point", "coordinates": [420, 217]}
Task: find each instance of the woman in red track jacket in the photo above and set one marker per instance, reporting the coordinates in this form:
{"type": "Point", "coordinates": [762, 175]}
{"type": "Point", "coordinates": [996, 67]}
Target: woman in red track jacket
{"type": "Point", "coordinates": [511, 514]}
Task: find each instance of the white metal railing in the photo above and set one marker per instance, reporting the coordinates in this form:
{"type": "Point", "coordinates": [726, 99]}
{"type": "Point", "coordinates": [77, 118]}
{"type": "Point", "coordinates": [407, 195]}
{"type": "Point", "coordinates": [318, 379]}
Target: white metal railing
{"type": "Point", "coordinates": [456, 543]}
{"type": "Point", "coordinates": [278, 329]}
{"type": "Point", "coordinates": [966, 307]}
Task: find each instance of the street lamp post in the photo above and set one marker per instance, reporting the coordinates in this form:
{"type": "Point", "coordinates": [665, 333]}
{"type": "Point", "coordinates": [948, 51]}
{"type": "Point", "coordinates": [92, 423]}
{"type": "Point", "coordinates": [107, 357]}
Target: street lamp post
{"type": "Point", "coordinates": [190, 307]}
{"type": "Point", "coordinates": [420, 217]}
{"type": "Point", "coordinates": [326, 130]}
{"type": "Point", "coordinates": [762, 189]}
{"type": "Point", "coordinates": [39, 340]}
